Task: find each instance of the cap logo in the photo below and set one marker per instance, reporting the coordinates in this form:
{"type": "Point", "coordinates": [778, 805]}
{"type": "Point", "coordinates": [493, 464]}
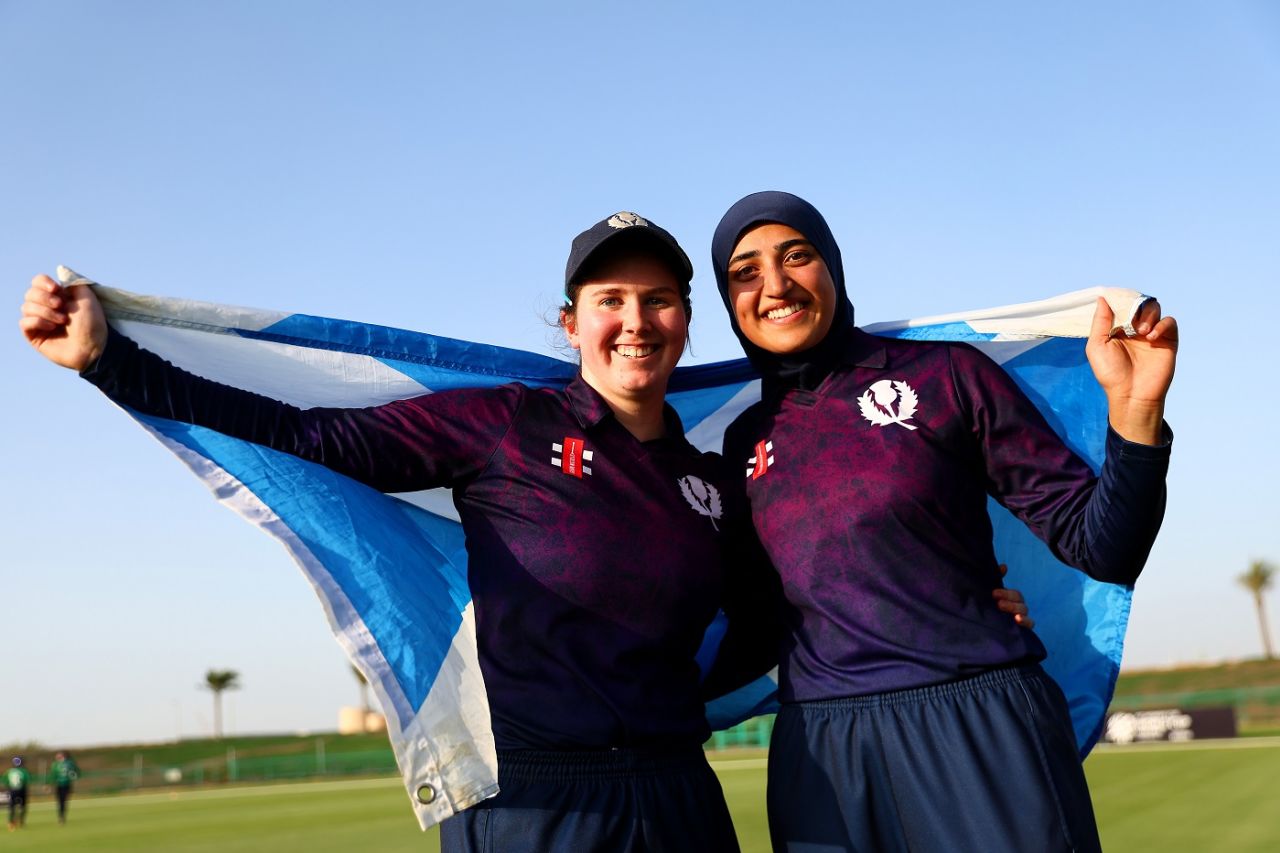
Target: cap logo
{"type": "Point", "coordinates": [625, 219]}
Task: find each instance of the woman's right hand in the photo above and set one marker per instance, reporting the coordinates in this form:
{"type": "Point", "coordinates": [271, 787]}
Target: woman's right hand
{"type": "Point", "coordinates": [66, 324]}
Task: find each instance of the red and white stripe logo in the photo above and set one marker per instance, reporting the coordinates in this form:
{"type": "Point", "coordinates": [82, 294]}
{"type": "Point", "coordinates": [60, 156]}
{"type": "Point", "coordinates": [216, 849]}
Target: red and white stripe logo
{"type": "Point", "coordinates": [761, 461]}
{"type": "Point", "coordinates": [573, 453]}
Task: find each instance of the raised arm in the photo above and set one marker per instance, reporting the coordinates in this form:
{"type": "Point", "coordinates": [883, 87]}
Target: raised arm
{"type": "Point", "coordinates": [406, 445]}
{"type": "Point", "coordinates": [1102, 524]}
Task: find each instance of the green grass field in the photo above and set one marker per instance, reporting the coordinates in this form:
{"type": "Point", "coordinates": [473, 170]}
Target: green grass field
{"type": "Point", "coordinates": [1207, 796]}
{"type": "Point", "coordinates": [1193, 797]}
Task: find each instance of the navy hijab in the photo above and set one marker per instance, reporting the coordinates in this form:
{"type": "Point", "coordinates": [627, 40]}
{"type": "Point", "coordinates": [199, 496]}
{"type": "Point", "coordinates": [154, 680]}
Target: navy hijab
{"type": "Point", "coordinates": [808, 368]}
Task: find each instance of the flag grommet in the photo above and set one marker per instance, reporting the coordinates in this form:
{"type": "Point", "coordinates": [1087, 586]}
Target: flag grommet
{"type": "Point", "coordinates": [426, 794]}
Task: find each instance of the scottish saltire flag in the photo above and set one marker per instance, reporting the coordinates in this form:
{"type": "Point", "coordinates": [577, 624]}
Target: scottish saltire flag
{"type": "Point", "coordinates": [390, 569]}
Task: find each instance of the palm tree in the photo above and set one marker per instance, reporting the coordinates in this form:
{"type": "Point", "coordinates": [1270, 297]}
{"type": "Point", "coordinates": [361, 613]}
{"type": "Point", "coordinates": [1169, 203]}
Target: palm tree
{"type": "Point", "coordinates": [364, 688]}
{"type": "Point", "coordinates": [1258, 580]}
{"type": "Point", "coordinates": [219, 680]}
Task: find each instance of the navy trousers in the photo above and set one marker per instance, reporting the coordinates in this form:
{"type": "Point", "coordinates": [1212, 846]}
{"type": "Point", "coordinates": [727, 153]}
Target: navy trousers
{"type": "Point", "coordinates": [622, 800]}
{"type": "Point", "coordinates": [987, 763]}
{"type": "Point", "coordinates": [17, 806]}
{"type": "Point", "coordinates": [63, 793]}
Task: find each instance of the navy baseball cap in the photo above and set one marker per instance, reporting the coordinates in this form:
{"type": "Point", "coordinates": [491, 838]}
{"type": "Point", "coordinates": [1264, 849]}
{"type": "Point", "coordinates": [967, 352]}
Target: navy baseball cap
{"type": "Point", "coordinates": [626, 225]}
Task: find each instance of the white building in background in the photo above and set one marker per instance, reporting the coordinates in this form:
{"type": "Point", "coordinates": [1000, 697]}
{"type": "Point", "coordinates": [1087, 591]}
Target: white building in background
{"type": "Point", "coordinates": [357, 720]}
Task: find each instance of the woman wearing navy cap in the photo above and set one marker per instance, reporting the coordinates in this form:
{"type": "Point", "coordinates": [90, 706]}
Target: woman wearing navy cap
{"type": "Point", "coordinates": [914, 716]}
{"type": "Point", "coordinates": [593, 573]}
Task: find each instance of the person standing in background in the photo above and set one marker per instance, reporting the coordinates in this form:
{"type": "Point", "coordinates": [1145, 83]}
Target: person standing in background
{"type": "Point", "coordinates": [62, 773]}
{"type": "Point", "coordinates": [16, 780]}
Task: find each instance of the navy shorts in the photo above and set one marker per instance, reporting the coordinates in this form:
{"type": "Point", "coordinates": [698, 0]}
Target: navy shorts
{"type": "Point", "coordinates": [986, 763]}
{"type": "Point", "coordinates": [609, 800]}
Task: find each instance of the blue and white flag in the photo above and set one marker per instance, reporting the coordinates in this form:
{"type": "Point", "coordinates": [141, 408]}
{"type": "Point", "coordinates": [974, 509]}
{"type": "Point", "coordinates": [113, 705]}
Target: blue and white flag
{"type": "Point", "coordinates": [390, 570]}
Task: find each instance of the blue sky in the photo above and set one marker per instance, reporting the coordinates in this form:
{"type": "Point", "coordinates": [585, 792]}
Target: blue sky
{"type": "Point", "coordinates": [426, 167]}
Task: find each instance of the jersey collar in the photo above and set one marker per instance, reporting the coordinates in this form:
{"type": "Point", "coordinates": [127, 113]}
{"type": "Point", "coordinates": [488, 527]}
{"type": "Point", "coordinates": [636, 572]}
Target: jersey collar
{"type": "Point", "coordinates": [865, 350]}
{"type": "Point", "coordinates": [590, 408]}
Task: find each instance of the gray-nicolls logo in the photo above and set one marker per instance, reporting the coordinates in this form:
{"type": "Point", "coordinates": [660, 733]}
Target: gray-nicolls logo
{"type": "Point", "coordinates": [759, 464]}
{"type": "Point", "coordinates": [625, 219]}
{"type": "Point", "coordinates": [877, 403]}
{"type": "Point", "coordinates": [703, 497]}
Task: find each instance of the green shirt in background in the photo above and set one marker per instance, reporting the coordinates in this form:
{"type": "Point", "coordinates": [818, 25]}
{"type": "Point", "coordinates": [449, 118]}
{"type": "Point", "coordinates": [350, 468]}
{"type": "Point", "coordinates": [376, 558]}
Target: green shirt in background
{"type": "Point", "coordinates": [17, 777]}
{"type": "Point", "coordinates": [63, 772]}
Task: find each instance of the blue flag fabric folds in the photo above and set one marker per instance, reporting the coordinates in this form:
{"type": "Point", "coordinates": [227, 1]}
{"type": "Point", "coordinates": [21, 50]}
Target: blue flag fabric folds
{"type": "Point", "coordinates": [390, 570]}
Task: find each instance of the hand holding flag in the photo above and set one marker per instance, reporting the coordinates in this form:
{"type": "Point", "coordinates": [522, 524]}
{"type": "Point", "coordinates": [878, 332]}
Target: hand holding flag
{"type": "Point", "coordinates": [65, 324]}
{"type": "Point", "coordinates": [1134, 370]}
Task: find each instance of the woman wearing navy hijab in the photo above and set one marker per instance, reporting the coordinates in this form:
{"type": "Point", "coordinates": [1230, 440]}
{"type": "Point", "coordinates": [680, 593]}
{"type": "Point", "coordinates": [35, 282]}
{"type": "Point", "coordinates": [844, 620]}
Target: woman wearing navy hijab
{"type": "Point", "coordinates": [914, 716]}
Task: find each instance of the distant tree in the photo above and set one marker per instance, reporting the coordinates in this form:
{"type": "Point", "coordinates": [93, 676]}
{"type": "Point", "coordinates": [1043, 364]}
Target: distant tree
{"type": "Point", "coordinates": [364, 688]}
{"type": "Point", "coordinates": [218, 680]}
{"type": "Point", "coordinates": [1258, 580]}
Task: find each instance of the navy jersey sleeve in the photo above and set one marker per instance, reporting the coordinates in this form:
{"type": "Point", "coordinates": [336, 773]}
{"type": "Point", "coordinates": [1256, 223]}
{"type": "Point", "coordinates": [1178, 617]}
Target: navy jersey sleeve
{"type": "Point", "coordinates": [753, 599]}
{"type": "Point", "coordinates": [1103, 525]}
{"type": "Point", "coordinates": [752, 604]}
{"type": "Point", "coordinates": [406, 445]}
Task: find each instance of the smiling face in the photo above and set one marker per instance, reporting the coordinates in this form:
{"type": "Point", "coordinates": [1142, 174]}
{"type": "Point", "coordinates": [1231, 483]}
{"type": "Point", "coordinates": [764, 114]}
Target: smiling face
{"type": "Point", "coordinates": [628, 322]}
{"type": "Point", "coordinates": [782, 293]}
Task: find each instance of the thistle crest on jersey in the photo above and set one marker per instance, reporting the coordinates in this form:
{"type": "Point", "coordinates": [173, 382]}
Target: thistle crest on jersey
{"type": "Point", "coordinates": [761, 461]}
{"type": "Point", "coordinates": [889, 401]}
{"type": "Point", "coordinates": [703, 497]}
{"type": "Point", "coordinates": [573, 454]}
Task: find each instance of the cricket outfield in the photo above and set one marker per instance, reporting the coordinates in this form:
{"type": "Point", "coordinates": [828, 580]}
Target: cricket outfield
{"type": "Point", "coordinates": [1208, 795]}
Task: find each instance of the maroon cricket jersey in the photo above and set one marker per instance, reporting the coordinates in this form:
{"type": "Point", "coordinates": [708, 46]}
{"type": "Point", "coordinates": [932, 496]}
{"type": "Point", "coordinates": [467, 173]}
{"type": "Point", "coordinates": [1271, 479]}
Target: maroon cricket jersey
{"type": "Point", "coordinates": [870, 496]}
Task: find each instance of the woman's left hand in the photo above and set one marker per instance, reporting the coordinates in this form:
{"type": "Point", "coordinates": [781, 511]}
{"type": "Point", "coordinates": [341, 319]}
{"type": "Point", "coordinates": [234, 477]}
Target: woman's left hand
{"type": "Point", "coordinates": [1011, 601]}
